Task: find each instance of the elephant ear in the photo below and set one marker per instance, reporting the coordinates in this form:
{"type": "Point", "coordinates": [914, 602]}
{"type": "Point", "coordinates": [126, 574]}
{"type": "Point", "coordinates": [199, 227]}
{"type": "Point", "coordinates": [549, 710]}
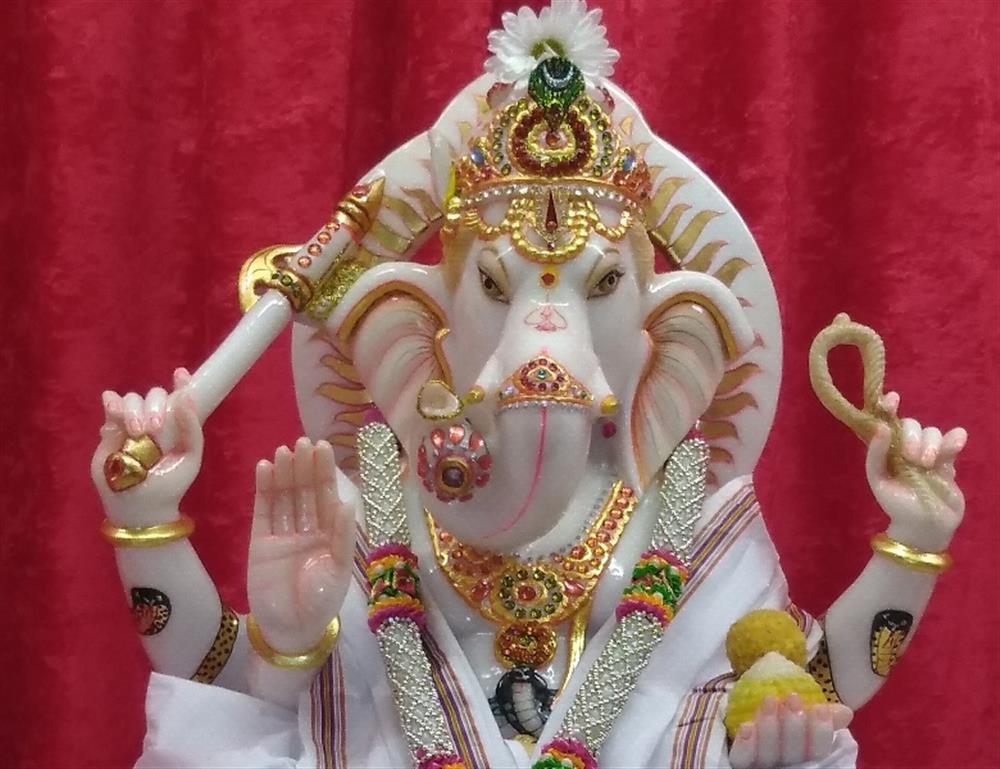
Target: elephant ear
{"type": "Point", "coordinates": [694, 325]}
{"type": "Point", "coordinates": [393, 326]}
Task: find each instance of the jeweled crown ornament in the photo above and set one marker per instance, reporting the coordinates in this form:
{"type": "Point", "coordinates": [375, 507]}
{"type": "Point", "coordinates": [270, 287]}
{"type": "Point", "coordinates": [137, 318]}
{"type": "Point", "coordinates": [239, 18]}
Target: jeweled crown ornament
{"type": "Point", "coordinates": [556, 159]}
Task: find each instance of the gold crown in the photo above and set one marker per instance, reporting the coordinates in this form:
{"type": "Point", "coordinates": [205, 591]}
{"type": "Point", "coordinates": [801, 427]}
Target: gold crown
{"type": "Point", "coordinates": [554, 154]}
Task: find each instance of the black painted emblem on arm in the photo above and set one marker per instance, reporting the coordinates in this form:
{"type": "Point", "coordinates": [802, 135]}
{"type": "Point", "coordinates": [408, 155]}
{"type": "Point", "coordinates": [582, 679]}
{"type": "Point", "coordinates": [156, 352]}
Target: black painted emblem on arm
{"type": "Point", "coordinates": [890, 628]}
{"type": "Point", "coordinates": [150, 610]}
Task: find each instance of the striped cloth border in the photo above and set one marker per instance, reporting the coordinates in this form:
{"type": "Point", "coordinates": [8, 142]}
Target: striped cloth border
{"type": "Point", "coordinates": [698, 717]}
{"type": "Point", "coordinates": [329, 715]}
{"type": "Point", "coordinates": [701, 706]}
{"type": "Point", "coordinates": [329, 725]}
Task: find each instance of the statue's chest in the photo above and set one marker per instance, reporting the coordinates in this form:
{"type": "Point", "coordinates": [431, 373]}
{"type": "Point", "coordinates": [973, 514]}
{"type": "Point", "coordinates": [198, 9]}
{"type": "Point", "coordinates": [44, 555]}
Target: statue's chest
{"type": "Point", "coordinates": [486, 636]}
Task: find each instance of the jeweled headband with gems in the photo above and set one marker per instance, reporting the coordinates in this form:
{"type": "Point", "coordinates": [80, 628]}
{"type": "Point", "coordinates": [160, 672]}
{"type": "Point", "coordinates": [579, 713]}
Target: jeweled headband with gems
{"type": "Point", "coordinates": [553, 155]}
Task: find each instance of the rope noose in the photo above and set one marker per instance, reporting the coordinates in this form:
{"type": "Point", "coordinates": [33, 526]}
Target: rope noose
{"type": "Point", "coordinates": [865, 421]}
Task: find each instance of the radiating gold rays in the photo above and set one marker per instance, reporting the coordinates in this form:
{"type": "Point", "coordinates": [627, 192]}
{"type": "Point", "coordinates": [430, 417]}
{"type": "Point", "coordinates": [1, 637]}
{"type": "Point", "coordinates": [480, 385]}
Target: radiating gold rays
{"type": "Point", "coordinates": [350, 399]}
{"type": "Point", "coordinates": [413, 214]}
{"type": "Point", "coordinates": [416, 213]}
{"type": "Point", "coordinates": [683, 236]}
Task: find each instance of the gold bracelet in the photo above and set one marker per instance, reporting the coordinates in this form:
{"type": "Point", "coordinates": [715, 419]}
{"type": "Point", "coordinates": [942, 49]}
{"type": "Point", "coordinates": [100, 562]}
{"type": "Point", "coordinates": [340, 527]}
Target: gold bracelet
{"type": "Point", "coordinates": [310, 658]}
{"type": "Point", "coordinates": [911, 558]}
{"type": "Point", "coordinates": [148, 536]}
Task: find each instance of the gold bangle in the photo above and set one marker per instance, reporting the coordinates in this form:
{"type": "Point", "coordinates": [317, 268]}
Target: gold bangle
{"type": "Point", "coordinates": [911, 558]}
{"type": "Point", "coordinates": [147, 536]}
{"type": "Point", "coordinates": [311, 658]}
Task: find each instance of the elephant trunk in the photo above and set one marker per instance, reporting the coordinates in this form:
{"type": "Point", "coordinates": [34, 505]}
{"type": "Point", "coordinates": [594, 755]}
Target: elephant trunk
{"type": "Point", "coordinates": [537, 418]}
{"type": "Point", "coordinates": [539, 458]}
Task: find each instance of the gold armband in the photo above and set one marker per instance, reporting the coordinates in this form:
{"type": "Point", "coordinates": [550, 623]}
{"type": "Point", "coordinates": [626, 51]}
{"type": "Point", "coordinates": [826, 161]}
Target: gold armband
{"type": "Point", "coordinates": [910, 557]}
{"type": "Point", "coordinates": [147, 536]}
{"type": "Point", "coordinates": [311, 658]}
{"type": "Point", "coordinates": [222, 647]}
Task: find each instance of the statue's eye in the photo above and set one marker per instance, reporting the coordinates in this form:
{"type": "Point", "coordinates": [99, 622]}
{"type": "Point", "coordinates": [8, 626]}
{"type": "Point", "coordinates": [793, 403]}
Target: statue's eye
{"type": "Point", "coordinates": [490, 287]}
{"type": "Point", "coordinates": [608, 284]}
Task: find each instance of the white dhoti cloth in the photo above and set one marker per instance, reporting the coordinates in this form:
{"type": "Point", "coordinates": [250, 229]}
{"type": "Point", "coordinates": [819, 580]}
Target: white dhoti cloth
{"type": "Point", "coordinates": [672, 720]}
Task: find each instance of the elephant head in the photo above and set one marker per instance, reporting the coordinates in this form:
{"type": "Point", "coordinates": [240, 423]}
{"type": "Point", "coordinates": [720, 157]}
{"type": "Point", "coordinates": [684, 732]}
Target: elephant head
{"type": "Point", "coordinates": [566, 364]}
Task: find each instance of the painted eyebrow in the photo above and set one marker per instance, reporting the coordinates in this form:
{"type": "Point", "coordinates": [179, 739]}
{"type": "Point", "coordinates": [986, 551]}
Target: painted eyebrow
{"type": "Point", "coordinates": [503, 267]}
{"type": "Point", "coordinates": [601, 258]}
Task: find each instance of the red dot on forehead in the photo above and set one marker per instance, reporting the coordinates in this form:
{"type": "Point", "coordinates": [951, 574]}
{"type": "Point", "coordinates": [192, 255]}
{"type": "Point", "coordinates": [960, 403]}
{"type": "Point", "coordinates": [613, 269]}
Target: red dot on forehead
{"type": "Point", "coordinates": [548, 278]}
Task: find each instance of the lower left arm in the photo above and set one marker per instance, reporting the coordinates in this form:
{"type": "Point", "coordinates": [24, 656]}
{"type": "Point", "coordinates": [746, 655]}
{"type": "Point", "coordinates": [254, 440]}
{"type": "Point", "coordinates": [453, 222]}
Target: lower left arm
{"type": "Point", "coordinates": [870, 625]}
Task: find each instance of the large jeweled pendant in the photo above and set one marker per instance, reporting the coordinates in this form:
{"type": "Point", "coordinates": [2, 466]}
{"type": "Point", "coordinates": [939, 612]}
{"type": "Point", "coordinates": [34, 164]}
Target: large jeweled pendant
{"type": "Point", "coordinates": [525, 643]}
{"type": "Point", "coordinates": [528, 593]}
{"type": "Point", "coordinates": [528, 599]}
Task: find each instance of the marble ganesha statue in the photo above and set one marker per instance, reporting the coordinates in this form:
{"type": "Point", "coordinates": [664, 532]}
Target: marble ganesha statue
{"type": "Point", "coordinates": [521, 530]}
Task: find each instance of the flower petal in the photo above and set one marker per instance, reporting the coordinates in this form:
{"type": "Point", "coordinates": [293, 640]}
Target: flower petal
{"type": "Point", "coordinates": [568, 22]}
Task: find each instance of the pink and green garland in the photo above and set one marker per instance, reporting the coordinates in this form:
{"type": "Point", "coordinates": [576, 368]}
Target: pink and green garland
{"type": "Point", "coordinates": [394, 586]}
{"type": "Point", "coordinates": [657, 583]}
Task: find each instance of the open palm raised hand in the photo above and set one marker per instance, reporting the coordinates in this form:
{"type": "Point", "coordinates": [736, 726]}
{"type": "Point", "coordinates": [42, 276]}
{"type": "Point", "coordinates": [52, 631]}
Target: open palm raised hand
{"type": "Point", "coordinates": [301, 547]}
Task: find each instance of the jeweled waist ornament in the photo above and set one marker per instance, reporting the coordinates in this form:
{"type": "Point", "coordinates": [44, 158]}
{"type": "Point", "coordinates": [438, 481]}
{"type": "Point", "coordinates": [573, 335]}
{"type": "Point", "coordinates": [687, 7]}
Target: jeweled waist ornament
{"type": "Point", "coordinates": [521, 530]}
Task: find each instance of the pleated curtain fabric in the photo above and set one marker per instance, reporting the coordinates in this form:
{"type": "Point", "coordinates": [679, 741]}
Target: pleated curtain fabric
{"type": "Point", "coordinates": [147, 148]}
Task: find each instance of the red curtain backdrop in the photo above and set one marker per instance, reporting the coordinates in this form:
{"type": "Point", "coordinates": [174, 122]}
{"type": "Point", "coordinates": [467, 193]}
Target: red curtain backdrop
{"type": "Point", "coordinates": [149, 147]}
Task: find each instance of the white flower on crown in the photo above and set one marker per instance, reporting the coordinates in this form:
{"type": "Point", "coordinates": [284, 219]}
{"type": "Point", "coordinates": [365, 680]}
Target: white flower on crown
{"type": "Point", "coordinates": [566, 28]}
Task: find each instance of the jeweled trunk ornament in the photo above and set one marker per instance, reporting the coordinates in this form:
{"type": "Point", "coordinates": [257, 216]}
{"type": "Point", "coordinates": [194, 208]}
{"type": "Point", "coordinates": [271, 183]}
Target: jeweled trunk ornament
{"type": "Point", "coordinates": [395, 611]}
{"type": "Point", "coordinates": [645, 609]}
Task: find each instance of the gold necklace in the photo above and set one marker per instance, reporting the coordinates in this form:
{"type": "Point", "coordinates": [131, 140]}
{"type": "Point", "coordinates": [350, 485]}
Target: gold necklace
{"type": "Point", "coordinates": [527, 598]}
